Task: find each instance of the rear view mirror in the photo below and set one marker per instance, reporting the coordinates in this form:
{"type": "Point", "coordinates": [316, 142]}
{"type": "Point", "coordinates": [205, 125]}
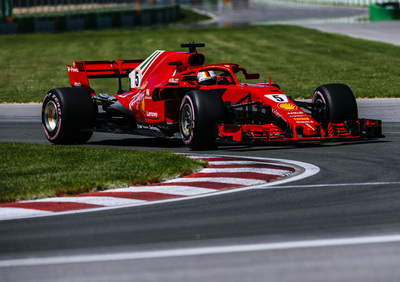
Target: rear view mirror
{"type": "Point", "coordinates": [252, 75]}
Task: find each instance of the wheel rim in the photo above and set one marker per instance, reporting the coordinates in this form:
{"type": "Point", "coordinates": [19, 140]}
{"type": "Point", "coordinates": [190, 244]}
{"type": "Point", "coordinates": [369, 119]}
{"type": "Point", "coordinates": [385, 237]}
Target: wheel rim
{"type": "Point", "coordinates": [51, 116]}
{"type": "Point", "coordinates": [186, 121]}
{"type": "Point", "coordinates": [320, 113]}
{"type": "Point", "coordinates": [322, 108]}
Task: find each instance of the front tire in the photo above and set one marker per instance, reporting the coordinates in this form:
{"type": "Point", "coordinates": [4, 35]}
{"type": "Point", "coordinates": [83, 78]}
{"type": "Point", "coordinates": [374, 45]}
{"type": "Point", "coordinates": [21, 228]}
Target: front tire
{"type": "Point", "coordinates": [336, 103]}
{"type": "Point", "coordinates": [200, 111]}
{"type": "Point", "coordinates": [68, 115]}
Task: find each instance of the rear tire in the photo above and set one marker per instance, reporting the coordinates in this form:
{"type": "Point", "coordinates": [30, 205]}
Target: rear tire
{"type": "Point", "coordinates": [337, 103]}
{"type": "Point", "coordinates": [200, 111]}
{"type": "Point", "coordinates": [68, 115]}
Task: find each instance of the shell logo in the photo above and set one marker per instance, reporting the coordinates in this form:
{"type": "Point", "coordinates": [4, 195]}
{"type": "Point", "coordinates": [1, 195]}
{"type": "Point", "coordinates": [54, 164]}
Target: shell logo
{"type": "Point", "coordinates": [287, 106]}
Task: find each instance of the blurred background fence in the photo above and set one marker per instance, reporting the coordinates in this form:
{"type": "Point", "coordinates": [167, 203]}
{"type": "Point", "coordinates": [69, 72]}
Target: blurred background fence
{"type": "Point", "coordinates": [57, 7]}
{"type": "Point", "coordinates": [238, 3]}
{"type": "Point", "coordinates": [23, 16]}
{"type": "Point", "coordinates": [19, 16]}
{"type": "Point", "coordinates": [21, 8]}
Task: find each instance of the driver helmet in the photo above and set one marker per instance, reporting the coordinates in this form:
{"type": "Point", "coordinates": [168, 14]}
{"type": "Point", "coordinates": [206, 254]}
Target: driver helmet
{"type": "Point", "coordinates": [206, 77]}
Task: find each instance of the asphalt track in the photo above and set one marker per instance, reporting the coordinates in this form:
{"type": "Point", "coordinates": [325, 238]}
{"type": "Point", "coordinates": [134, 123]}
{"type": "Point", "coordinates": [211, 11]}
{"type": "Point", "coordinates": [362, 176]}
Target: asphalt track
{"type": "Point", "coordinates": [342, 224]}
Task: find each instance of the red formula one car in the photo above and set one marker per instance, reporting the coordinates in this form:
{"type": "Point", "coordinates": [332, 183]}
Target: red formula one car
{"type": "Point", "coordinates": [176, 93]}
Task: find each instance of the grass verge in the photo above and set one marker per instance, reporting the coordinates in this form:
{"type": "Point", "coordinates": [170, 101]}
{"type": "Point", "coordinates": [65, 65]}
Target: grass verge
{"type": "Point", "coordinates": [298, 59]}
{"type": "Point", "coordinates": [30, 171]}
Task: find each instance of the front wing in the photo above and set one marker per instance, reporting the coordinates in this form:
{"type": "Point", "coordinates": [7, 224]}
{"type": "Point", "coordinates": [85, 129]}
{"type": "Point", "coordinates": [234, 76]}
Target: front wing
{"type": "Point", "coordinates": [361, 128]}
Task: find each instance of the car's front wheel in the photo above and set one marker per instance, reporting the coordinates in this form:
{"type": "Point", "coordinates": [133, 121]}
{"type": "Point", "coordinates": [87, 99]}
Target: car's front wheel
{"type": "Point", "coordinates": [68, 115]}
{"type": "Point", "coordinates": [335, 103]}
{"type": "Point", "coordinates": [200, 111]}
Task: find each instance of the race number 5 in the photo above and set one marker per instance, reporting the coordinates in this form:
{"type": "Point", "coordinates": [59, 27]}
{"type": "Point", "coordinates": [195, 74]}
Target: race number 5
{"type": "Point", "coordinates": [279, 98]}
{"type": "Point", "coordinates": [136, 78]}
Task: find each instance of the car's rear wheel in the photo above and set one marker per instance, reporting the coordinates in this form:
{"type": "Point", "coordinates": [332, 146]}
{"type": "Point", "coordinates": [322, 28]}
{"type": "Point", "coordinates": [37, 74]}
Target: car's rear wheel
{"type": "Point", "coordinates": [200, 111]}
{"type": "Point", "coordinates": [68, 115]}
{"type": "Point", "coordinates": [336, 103]}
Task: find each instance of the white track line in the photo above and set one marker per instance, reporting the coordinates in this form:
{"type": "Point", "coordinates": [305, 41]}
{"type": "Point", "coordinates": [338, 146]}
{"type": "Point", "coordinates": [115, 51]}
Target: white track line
{"type": "Point", "coordinates": [228, 180]}
{"type": "Point", "coordinates": [168, 189]}
{"type": "Point", "coordinates": [13, 213]}
{"type": "Point", "coordinates": [330, 185]}
{"type": "Point", "coordinates": [173, 253]}
{"type": "Point", "coordinates": [102, 201]}
{"type": "Point", "coordinates": [243, 163]}
{"type": "Point", "coordinates": [246, 169]}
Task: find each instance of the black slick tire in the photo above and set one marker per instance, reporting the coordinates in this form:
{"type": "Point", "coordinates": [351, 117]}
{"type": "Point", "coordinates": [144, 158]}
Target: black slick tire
{"type": "Point", "coordinates": [200, 111]}
{"type": "Point", "coordinates": [337, 101]}
{"type": "Point", "coordinates": [68, 115]}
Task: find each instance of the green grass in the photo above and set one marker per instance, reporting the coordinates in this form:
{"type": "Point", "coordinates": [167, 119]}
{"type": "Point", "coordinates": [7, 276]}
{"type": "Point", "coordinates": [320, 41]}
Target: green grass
{"type": "Point", "coordinates": [298, 59]}
{"type": "Point", "coordinates": [35, 171]}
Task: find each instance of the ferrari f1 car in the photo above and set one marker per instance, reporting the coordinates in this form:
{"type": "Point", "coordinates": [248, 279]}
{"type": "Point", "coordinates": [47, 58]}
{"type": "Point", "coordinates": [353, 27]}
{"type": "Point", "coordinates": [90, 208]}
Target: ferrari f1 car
{"type": "Point", "coordinates": [174, 93]}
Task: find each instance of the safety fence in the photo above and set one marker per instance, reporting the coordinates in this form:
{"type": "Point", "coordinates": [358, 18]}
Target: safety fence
{"type": "Point", "coordinates": [25, 16]}
{"type": "Point", "coordinates": [59, 7]}
{"type": "Point", "coordinates": [20, 16]}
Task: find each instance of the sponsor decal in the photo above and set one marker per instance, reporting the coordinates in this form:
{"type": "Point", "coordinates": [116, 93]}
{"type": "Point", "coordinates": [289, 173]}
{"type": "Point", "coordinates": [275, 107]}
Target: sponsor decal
{"type": "Point", "coordinates": [152, 114]}
{"type": "Point", "coordinates": [277, 114]}
{"type": "Point", "coordinates": [72, 69]}
{"type": "Point", "coordinates": [77, 84]}
{"type": "Point", "coordinates": [173, 80]}
{"type": "Point", "coordinates": [57, 102]}
{"type": "Point", "coordinates": [296, 114]}
{"type": "Point", "coordinates": [287, 106]}
{"type": "Point", "coordinates": [301, 118]}
{"type": "Point", "coordinates": [147, 96]}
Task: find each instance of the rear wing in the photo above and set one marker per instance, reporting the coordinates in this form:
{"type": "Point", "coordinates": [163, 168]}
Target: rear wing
{"type": "Point", "coordinates": [80, 72]}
